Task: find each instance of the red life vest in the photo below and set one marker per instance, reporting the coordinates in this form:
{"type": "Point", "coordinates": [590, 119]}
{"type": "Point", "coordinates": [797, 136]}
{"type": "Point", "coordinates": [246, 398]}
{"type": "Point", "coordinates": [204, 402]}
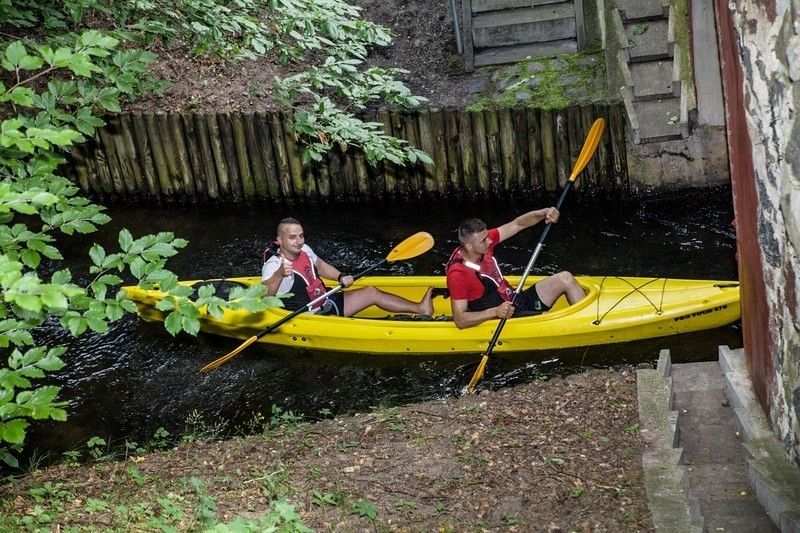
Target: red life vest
{"type": "Point", "coordinates": [488, 272]}
{"type": "Point", "coordinates": [305, 279]}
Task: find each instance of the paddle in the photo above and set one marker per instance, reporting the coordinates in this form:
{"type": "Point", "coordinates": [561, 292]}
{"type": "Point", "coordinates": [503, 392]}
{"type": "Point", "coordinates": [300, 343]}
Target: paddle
{"type": "Point", "coordinates": [588, 150]}
{"type": "Point", "coordinates": [417, 244]}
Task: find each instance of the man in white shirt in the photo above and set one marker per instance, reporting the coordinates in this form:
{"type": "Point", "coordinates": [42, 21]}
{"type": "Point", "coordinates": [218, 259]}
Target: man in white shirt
{"type": "Point", "coordinates": [297, 269]}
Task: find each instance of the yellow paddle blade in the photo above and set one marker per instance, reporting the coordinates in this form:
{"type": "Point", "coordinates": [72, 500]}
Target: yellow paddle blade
{"type": "Point", "coordinates": [589, 147]}
{"type": "Point", "coordinates": [224, 359]}
{"type": "Point", "coordinates": [478, 375]}
{"type": "Point", "coordinates": [417, 244]}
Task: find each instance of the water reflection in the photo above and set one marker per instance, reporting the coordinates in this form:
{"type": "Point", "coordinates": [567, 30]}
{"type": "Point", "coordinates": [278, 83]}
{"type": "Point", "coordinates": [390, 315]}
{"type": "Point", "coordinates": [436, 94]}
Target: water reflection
{"type": "Point", "coordinates": [136, 378]}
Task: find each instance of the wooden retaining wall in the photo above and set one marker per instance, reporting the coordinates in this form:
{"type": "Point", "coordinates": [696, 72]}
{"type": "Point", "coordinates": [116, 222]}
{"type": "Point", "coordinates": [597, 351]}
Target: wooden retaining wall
{"type": "Point", "coordinates": [230, 157]}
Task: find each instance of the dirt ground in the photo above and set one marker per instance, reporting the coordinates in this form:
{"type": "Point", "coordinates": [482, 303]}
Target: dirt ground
{"type": "Point", "coordinates": [424, 44]}
{"type": "Point", "coordinates": [560, 455]}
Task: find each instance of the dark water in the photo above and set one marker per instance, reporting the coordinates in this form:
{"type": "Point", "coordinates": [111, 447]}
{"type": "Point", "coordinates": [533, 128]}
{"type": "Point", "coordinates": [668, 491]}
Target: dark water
{"type": "Point", "coordinates": [137, 378]}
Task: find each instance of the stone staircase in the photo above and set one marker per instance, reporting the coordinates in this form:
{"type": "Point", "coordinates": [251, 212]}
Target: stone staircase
{"type": "Point", "coordinates": [506, 31]}
{"type": "Point", "coordinates": [657, 103]}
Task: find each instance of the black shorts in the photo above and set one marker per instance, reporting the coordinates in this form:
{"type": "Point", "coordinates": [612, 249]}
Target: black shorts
{"type": "Point", "coordinates": [334, 305]}
{"type": "Point", "coordinates": [528, 303]}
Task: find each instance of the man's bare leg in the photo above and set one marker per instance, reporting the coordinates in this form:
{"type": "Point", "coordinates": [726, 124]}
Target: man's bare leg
{"type": "Point", "coordinates": [550, 288]}
{"type": "Point", "coordinates": [359, 299]}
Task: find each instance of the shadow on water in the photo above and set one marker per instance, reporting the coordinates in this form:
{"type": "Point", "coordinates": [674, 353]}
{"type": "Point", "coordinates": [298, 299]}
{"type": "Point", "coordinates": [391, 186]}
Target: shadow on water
{"type": "Point", "coordinates": [137, 378]}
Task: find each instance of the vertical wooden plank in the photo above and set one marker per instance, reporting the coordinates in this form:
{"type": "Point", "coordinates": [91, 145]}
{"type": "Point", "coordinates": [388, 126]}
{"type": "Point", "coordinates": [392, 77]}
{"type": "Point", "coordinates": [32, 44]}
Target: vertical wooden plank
{"type": "Point", "coordinates": [95, 183]}
{"type": "Point", "coordinates": [323, 179]}
{"type": "Point", "coordinates": [492, 122]}
{"type": "Point", "coordinates": [362, 176]}
{"type": "Point", "coordinates": [439, 154]}
{"type": "Point", "coordinates": [387, 168]}
{"type": "Point", "coordinates": [281, 158]}
{"type": "Point", "coordinates": [229, 150]}
{"type": "Point", "coordinates": [603, 156]}
{"type": "Point", "coordinates": [204, 129]}
{"type": "Point", "coordinates": [193, 153]}
{"type": "Point", "coordinates": [106, 141]}
{"type": "Point", "coordinates": [549, 152]}
{"type": "Point", "coordinates": [454, 178]}
{"type": "Point", "coordinates": [81, 169]}
{"type": "Point", "coordinates": [170, 155]}
{"type": "Point", "coordinates": [535, 167]}
{"type": "Point", "coordinates": [145, 156]}
{"type": "Point", "coordinates": [411, 134]}
{"type": "Point", "coordinates": [348, 174]}
{"type": "Point", "coordinates": [426, 144]}
{"type": "Point", "coordinates": [159, 159]}
{"type": "Point", "coordinates": [620, 158]}
{"type": "Point", "coordinates": [507, 158]}
{"type": "Point", "coordinates": [402, 174]}
{"type": "Point", "coordinates": [218, 152]}
{"type": "Point", "coordinates": [481, 151]}
{"type": "Point", "coordinates": [335, 168]}
{"type": "Point", "coordinates": [125, 160]}
{"type": "Point", "coordinates": [466, 146]}
{"type": "Point", "coordinates": [375, 172]}
{"type": "Point", "coordinates": [590, 174]}
{"type": "Point", "coordinates": [242, 157]}
{"type": "Point", "coordinates": [182, 156]}
{"type": "Point", "coordinates": [574, 139]}
{"type": "Point", "coordinates": [131, 153]}
{"type": "Point", "coordinates": [259, 175]}
{"type": "Point", "coordinates": [267, 154]}
{"type": "Point", "coordinates": [519, 149]}
{"type": "Point", "coordinates": [293, 156]}
{"type": "Point", "coordinates": [562, 147]}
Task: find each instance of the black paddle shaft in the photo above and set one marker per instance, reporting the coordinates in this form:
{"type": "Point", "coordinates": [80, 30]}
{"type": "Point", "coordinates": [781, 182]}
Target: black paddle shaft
{"type": "Point", "coordinates": [532, 260]}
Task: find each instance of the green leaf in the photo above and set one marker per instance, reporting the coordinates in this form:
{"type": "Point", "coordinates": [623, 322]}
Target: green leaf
{"type": "Point", "coordinates": [173, 323]}
{"type": "Point", "coordinates": [13, 431]}
{"type": "Point", "coordinates": [97, 254]}
{"type": "Point", "coordinates": [54, 299]}
{"type": "Point", "coordinates": [15, 52]}
{"type": "Point", "coordinates": [31, 302]}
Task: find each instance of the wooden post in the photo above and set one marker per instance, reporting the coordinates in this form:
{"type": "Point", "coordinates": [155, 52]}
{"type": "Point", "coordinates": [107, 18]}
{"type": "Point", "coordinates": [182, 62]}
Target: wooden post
{"type": "Point", "coordinates": [426, 144]}
{"type": "Point", "coordinates": [170, 155]}
{"type": "Point", "coordinates": [218, 151]}
{"type": "Point", "coordinates": [466, 145]}
{"type": "Point", "coordinates": [519, 149]}
{"type": "Point", "coordinates": [125, 160]}
{"type": "Point", "coordinates": [454, 180]}
{"type": "Point", "coordinates": [604, 170]}
{"type": "Point", "coordinates": [210, 166]}
{"type": "Point", "coordinates": [281, 159]}
{"type": "Point", "coordinates": [493, 149]}
{"type": "Point", "coordinates": [267, 154]}
{"type": "Point", "coordinates": [159, 158]}
{"type": "Point", "coordinates": [403, 181]}
{"type": "Point", "coordinates": [375, 173]}
{"type": "Point", "coordinates": [242, 156]}
{"type": "Point", "coordinates": [259, 176]}
{"type": "Point", "coordinates": [466, 25]}
{"type": "Point", "coordinates": [81, 169]}
{"type": "Point", "coordinates": [481, 151]}
{"type": "Point", "coordinates": [106, 141]}
{"type": "Point", "coordinates": [145, 156]}
{"type": "Point", "coordinates": [439, 153]}
{"type": "Point", "coordinates": [129, 142]}
{"type": "Point", "coordinates": [198, 170]}
{"type": "Point", "coordinates": [389, 168]}
{"type": "Point", "coordinates": [562, 148]}
{"type": "Point", "coordinates": [575, 142]}
{"type": "Point", "coordinates": [549, 154]}
{"type": "Point", "coordinates": [293, 155]}
{"type": "Point", "coordinates": [229, 149]}
{"type": "Point", "coordinates": [535, 158]}
{"type": "Point", "coordinates": [414, 171]}
{"type": "Point", "coordinates": [511, 178]}
{"type": "Point", "coordinates": [335, 166]}
{"type": "Point", "coordinates": [324, 180]}
{"type": "Point", "coordinates": [620, 160]}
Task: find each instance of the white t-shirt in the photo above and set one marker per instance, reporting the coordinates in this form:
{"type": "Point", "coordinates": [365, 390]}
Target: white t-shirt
{"type": "Point", "coordinates": [274, 263]}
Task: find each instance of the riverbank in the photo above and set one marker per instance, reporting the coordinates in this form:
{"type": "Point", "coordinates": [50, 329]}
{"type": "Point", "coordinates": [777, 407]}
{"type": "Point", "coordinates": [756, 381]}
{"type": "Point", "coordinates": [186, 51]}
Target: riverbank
{"type": "Point", "coordinates": [564, 453]}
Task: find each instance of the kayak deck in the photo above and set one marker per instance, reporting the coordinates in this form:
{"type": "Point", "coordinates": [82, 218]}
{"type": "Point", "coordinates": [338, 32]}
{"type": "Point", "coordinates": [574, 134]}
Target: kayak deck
{"type": "Point", "coordinates": [616, 309]}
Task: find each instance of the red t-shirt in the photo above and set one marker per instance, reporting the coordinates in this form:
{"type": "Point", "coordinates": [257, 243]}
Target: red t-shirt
{"type": "Point", "coordinates": [463, 282]}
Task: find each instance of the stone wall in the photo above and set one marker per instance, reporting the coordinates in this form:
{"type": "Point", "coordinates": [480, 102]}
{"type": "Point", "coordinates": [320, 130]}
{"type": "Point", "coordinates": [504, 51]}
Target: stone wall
{"type": "Point", "coordinates": [769, 40]}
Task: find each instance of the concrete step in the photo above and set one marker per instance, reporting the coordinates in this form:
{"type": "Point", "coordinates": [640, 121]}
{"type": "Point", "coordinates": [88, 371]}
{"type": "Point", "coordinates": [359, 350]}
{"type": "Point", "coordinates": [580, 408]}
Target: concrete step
{"type": "Point", "coordinates": [697, 377]}
{"type": "Point", "coordinates": [543, 23]}
{"type": "Point", "coordinates": [744, 515]}
{"type": "Point", "coordinates": [658, 120]}
{"type": "Point", "coordinates": [636, 10]}
{"type": "Point", "coordinates": [649, 41]}
{"type": "Point", "coordinates": [652, 80]}
{"type": "Point", "coordinates": [481, 6]}
{"type": "Point", "coordinates": [510, 54]}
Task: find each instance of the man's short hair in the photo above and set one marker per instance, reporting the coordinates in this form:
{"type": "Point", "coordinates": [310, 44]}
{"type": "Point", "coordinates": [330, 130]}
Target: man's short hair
{"type": "Point", "coordinates": [468, 228]}
{"type": "Point", "coordinates": [286, 221]}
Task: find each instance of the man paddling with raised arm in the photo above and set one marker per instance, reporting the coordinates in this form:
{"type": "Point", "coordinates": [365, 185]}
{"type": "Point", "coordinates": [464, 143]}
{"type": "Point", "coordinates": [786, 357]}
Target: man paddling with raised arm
{"type": "Point", "coordinates": [478, 291]}
{"type": "Point", "coordinates": [296, 269]}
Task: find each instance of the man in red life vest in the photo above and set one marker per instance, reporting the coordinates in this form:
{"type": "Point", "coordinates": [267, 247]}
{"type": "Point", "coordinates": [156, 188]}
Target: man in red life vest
{"type": "Point", "coordinates": [297, 269]}
{"type": "Point", "coordinates": [478, 291]}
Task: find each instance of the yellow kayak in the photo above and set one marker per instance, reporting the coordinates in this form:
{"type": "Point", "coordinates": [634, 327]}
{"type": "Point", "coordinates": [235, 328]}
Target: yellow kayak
{"type": "Point", "coordinates": [616, 309]}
